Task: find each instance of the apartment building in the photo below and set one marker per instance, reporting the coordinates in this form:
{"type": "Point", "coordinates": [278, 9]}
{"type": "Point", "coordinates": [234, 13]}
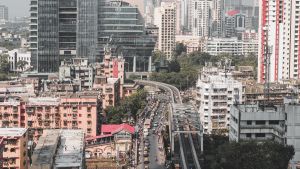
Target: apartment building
{"type": "Point", "coordinates": [279, 34]}
{"type": "Point", "coordinates": [231, 46]}
{"type": "Point", "coordinates": [257, 122]}
{"type": "Point", "coordinates": [262, 122]}
{"type": "Point", "coordinates": [79, 71]}
{"type": "Point", "coordinates": [109, 89]}
{"type": "Point", "coordinates": [14, 148]}
{"type": "Point", "coordinates": [216, 93]}
{"type": "Point", "coordinates": [74, 111]}
{"type": "Point", "coordinates": [59, 149]}
{"type": "Point", "coordinates": [165, 20]}
{"type": "Point", "coordinates": [200, 17]}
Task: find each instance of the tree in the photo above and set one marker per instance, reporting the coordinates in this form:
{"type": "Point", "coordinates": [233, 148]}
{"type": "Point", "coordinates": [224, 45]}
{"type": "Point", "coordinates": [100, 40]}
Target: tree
{"type": "Point", "coordinates": [219, 153]}
{"type": "Point", "coordinates": [4, 64]}
{"type": "Point", "coordinates": [158, 57]}
{"type": "Point", "coordinates": [174, 66]}
{"type": "Point", "coordinates": [180, 49]}
{"type": "Point", "coordinates": [21, 64]}
{"type": "Point", "coordinates": [127, 108]}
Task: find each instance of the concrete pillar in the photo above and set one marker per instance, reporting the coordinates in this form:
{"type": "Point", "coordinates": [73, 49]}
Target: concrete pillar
{"type": "Point", "coordinates": [134, 64]}
{"type": "Point", "coordinates": [172, 143]}
{"type": "Point", "coordinates": [150, 64]}
{"type": "Point", "coordinates": [201, 142]}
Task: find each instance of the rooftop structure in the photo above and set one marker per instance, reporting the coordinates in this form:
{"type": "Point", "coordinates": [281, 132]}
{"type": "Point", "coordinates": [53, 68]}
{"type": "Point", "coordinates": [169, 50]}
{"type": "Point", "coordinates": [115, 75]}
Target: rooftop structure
{"type": "Point", "coordinates": [59, 149]}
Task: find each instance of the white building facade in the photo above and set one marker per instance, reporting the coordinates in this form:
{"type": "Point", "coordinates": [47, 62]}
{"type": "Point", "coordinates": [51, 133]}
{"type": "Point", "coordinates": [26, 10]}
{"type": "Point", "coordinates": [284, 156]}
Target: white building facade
{"type": "Point", "coordinates": [215, 95]}
{"type": "Point", "coordinates": [200, 17]}
{"type": "Point", "coordinates": [17, 55]}
{"type": "Point", "coordinates": [231, 46]}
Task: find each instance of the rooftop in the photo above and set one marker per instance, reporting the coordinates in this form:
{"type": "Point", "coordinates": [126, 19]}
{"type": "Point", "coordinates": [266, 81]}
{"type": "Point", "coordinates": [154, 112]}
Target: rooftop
{"type": "Point", "coordinates": [12, 132]}
{"type": "Point", "coordinates": [112, 80]}
{"type": "Point", "coordinates": [43, 101]}
{"type": "Point", "coordinates": [70, 151]}
{"type": "Point", "coordinates": [64, 146]}
{"type": "Point", "coordinates": [115, 128]}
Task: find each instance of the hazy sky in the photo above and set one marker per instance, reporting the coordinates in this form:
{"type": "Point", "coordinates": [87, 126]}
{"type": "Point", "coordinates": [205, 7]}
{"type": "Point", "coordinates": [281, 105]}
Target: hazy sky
{"type": "Point", "coordinates": [16, 7]}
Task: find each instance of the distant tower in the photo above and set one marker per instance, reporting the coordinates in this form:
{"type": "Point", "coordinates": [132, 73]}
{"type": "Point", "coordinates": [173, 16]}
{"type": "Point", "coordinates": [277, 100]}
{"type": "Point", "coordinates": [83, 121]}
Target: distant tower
{"type": "Point", "coordinates": [201, 17]}
{"type": "Point", "coordinates": [3, 14]}
{"type": "Point", "coordinates": [165, 19]}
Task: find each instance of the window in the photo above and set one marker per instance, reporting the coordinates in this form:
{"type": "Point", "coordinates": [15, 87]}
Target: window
{"type": "Point", "coordinates": [260, 135]}
{"type": "Point", "coordinates": [248, 135]}
{"type": "Point", "coordinates": [89, 116]}
{"type": "Point", "coordinates": [89, 109]}
{"type": "Point", "coordinates": [249, 122]}
{"type": "Point", "coordinates": [274, 122]}
{"type": "Point", "coordinates": [260, 122]}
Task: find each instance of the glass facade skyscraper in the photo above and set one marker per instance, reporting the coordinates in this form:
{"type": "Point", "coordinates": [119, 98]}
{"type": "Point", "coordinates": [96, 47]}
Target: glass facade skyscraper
{"type": "Point", "coordinates": [122, 23]}
{"type": "Point", "coordinates": [64, 29]}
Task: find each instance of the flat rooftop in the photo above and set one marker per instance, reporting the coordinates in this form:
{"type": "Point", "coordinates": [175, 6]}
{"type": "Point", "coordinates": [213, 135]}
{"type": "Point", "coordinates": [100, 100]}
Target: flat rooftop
{"type": "Point", "coordinates": [70, 152]}
{"type": "Point", "coordinates": [43, 101]}
{"type": "Point", "coordinates": [12, 132]}
{"type": "Point", "coordinates": [59, 148]}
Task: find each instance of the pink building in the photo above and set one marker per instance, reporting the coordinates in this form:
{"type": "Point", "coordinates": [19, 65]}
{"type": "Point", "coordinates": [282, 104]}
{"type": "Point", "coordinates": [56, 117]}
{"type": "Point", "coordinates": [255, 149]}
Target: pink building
{"type": "Point", "coordinates": [111, 67]}
{"type": "Point", "coordinates": [68, 112]}
{"type": "Point", "coordinates": [110, 90]}
{"type": "Point", "coordinates": [14, 144]}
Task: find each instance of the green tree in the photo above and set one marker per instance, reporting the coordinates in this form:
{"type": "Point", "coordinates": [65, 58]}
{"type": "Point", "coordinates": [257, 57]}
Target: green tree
{"type": "Point", "coordinates": [180, 49]}
{"type": "Point", "coordinates": [174, 66]}
{"type": "Point", "coordinates": [127, 108]}
{"type": "Point", "coordinates": [158, 57]}
{"type": "Point", "coordinates": [221, 154]}
{"type": "Point", "coordinates": [4, 64]}
{"type": "Point", "coordinates": [21, 64]}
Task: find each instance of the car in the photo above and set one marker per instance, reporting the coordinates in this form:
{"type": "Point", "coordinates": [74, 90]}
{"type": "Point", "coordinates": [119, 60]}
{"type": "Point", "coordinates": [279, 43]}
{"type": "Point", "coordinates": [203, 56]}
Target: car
{"type": "Point", "coordinates": [146, 160]}
{"type": "Point", "coordinates": [146, 166]}
{"type": "Point", "coordinates": [147, 144]}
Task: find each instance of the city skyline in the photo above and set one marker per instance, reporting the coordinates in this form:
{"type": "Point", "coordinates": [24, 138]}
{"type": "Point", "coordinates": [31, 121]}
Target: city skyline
{"type": "Point", "coordinates": [16, 8]}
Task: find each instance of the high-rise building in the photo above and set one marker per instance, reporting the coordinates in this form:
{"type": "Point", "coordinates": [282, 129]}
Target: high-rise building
{"type": "Point", "coordinates": [278, 38]}
{"type": "Point", "coordinates": [218, 18]}
{"type": "Point", "coordinates": [64, 29]}
{"type": "Point", "coordinates": [270, 27]}
{"type": "Point", "coordinates": [165, 19]}
{"type": "Point", "coordinates": [201, 17]}
{"type": "Point", "coordinates": [3, 14]}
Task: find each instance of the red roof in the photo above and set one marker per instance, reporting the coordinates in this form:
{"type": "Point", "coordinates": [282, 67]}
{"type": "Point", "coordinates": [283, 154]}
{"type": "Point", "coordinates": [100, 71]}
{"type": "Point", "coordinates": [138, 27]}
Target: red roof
{"type": "Point", "coordinates": [115, 128]}
{"type": "Point", "coordinates": [100, 136]}
{"type": "Point", "coordinates": [233, 12]}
